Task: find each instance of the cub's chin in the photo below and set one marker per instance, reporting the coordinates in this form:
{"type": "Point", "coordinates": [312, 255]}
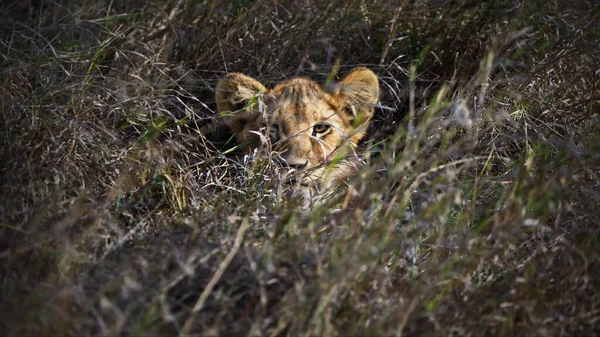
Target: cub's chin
{"type": "Point", "coordinates": [313, 185]}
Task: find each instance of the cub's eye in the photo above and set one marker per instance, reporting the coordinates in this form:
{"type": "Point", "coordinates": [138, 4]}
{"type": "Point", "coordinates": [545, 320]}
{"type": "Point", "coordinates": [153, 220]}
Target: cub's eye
{"type": "Point", "coordinates": [321, 128]}
{"type": "Point", "coordinates": [274, 133]}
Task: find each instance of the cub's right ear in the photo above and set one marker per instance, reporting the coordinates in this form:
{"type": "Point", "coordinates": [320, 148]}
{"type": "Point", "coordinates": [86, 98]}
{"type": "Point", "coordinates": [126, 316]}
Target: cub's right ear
{"type": "Point", "coordinates": [232, 94]}
{"type": "Point", "coordinates": [235, 90]}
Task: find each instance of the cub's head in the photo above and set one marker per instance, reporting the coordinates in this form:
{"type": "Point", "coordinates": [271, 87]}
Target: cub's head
{"type": "Point", "coordinates": [307, 125]}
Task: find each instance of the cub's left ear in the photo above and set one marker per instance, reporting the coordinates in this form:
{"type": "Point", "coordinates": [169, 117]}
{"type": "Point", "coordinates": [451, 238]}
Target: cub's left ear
{"type": "Point", "coordinates": [358, 91]}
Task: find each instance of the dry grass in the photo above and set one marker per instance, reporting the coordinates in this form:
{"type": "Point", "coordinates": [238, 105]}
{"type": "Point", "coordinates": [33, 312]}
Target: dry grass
{"type": "Point", "coordinates": [123, 212]}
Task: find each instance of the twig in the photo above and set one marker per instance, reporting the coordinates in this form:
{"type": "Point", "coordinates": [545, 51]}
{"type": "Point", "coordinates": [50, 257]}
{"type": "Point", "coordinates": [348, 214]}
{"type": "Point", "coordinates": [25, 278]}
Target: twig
{"type": "Point", "coordinates": [216, 277]}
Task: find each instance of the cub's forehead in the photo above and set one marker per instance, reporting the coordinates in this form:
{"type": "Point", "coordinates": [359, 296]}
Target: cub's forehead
{"type": "Point", "coordinates": [301, 95]}
{"type": "Point", "coordinates": [297, 89]}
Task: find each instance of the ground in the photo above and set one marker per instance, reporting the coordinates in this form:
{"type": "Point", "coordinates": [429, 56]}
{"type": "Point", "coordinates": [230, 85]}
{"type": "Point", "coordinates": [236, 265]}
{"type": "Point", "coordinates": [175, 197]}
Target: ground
{"type": "Point", "coordinates": [125, 211]}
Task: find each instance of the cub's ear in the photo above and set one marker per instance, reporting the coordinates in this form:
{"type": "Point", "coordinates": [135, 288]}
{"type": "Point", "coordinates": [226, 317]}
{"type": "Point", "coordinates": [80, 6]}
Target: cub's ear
{"type": "Point", "coordinates": [358, 91]}
{"type": "Point", "coordinates": [235, 90]}
{"type": "Point", "coordinates": [232, 94]}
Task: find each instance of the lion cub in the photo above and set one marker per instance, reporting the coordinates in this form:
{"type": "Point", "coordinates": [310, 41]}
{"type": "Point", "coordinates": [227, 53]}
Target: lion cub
{"type": "Point", "coordinates": [313, 130]}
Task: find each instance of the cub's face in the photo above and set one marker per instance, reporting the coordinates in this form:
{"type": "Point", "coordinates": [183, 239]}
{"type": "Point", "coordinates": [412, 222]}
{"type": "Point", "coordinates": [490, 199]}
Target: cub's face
{"type": "Point", "coordinates": [307, 125]}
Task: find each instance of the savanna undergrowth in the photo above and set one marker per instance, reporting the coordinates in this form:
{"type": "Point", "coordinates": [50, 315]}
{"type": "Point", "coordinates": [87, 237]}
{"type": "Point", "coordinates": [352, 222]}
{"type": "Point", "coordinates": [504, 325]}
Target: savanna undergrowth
{"type": "Point", "coordinates": [126, 210]}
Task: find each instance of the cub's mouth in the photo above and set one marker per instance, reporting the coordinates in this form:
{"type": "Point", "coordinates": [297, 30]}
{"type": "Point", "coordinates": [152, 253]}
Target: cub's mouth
{"type": "Point", "coordinates": [300, 184]}
{"type": "Point", "coordinates": [298, 178]}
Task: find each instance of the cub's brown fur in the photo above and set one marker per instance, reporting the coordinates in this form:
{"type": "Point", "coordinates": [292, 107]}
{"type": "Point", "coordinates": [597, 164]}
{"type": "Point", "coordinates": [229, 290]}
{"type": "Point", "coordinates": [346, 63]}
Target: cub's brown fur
{"type": "Point", "coordinates": [310, 126]}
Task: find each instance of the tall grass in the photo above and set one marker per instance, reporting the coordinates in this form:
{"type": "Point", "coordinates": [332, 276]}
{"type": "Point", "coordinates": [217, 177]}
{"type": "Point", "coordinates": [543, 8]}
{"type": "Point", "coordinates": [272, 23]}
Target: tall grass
{"type": "Point", "coordinates": [125, 210]}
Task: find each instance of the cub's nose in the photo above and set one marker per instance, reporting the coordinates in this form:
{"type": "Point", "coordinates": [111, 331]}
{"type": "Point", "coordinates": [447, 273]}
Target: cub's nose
{"type": "Point", "coordinates": [295, 163]}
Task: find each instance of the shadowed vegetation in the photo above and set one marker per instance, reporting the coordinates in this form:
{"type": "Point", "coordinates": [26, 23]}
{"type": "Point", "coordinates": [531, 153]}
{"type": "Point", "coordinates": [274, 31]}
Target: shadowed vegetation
{"type": "Point", "coordinates": [124, 212]}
